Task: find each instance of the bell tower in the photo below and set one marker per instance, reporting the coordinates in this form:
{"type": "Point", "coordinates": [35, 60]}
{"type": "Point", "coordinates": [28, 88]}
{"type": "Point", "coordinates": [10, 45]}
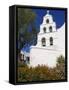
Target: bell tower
{"type": "Point", "coordinates": [47, 35]}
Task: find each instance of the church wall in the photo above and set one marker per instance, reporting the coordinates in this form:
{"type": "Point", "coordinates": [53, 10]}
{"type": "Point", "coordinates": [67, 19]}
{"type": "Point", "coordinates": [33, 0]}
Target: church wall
{"type": "Point", "coordinates": [43, 56]}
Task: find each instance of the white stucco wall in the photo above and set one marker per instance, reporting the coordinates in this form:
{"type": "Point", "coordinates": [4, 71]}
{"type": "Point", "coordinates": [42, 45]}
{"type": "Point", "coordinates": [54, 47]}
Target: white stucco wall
{"type": "Point", "coordinates": [43, 56]}
{"type": "Point", "coordinates": [61, 39]}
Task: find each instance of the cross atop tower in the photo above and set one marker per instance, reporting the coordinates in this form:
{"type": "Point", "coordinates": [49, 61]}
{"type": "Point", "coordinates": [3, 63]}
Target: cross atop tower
{"type": "Point", "coordinates": [47, 11]}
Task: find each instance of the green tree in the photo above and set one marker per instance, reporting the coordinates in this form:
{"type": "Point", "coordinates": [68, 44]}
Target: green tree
{"type": "Point", "coordinates": [26, 17]}
{"type": "Point", "coordinates": [60, 67]}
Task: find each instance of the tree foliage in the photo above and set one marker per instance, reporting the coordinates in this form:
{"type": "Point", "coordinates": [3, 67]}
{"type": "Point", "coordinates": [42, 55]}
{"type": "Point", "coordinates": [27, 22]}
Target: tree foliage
{"type": "Point", "coordinates": [26, 19]}
{"type": "Point", "coordinates": [41, 73]}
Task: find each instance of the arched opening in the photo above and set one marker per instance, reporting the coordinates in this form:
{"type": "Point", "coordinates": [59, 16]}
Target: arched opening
{"type": "Point", "coordinates": [43, 42]}
{"type": "Point", "coordinates": [51, 40]}
{"type": "Point", "coordinates": [47, 21]}
{"type": "Point", "coordinates": [50, 28]}
{"type": "Point", "coordinates": [28, 60]}
{"type": "Point", "coordinates": [44, 29]}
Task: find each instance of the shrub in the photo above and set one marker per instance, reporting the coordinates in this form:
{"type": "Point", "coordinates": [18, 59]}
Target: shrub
{"type": "Point", "coordinates": [42, 72]}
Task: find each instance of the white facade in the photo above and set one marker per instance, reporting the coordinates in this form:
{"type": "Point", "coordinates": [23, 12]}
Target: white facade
{"type": "Point", "coordinates": [50, 43]}
{"type": "Point", "coordinates": [24, 55]}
